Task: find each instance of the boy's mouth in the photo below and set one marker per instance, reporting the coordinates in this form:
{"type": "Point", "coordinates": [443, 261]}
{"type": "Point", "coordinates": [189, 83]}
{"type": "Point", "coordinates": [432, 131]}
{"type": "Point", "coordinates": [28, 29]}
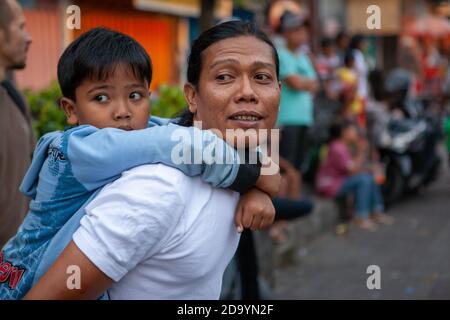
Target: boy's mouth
{"type": "Point", "coordinates": [126, 128]}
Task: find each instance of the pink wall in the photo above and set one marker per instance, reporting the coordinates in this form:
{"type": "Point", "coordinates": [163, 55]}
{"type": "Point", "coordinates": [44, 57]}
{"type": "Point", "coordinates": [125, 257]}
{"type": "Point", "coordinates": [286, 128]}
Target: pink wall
{"type": "Point", "coordinates": [45, 27]}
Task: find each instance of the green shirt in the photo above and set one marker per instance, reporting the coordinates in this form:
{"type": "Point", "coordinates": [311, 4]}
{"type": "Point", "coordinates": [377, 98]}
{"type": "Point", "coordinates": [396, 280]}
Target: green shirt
{"type": "Point", "coordinates": [296, 107]}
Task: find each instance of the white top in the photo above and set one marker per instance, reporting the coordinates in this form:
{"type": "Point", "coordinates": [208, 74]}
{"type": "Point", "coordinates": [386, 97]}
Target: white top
{"type": "Point", "coordinates": [160, 234]}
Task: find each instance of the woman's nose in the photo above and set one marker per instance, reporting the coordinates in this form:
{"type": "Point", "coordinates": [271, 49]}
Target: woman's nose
{"type": "Point", "coordinates": [247, 92]}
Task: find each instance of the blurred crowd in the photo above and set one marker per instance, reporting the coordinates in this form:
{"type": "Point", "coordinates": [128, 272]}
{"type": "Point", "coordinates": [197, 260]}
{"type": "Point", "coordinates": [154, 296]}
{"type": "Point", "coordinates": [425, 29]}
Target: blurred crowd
{"type": "Point", "coordinates": [337, 112]}
{"type": "Point", "coordinates": [352, 132]}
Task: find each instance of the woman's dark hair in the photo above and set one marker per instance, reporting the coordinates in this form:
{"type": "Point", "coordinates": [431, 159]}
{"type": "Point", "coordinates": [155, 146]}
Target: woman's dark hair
{"type": "Point", "coordinates": [338, 126]}
{"type": "Point", "coordinates": [96, 54]}
{"type": "Point", "coordinates": [226, 30]}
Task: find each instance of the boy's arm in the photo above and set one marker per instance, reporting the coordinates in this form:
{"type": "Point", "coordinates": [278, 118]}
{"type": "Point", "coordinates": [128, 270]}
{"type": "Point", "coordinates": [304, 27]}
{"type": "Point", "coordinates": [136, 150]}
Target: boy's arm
{"type": "Point", "coordinates": [99, 156]}
{"type": "Point", "coordinates": [158, 121]}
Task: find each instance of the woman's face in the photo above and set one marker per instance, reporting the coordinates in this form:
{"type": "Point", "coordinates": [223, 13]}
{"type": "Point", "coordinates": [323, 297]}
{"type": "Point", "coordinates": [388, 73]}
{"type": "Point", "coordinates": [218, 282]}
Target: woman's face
{"type": "Point", "coordinates": [238, 87]}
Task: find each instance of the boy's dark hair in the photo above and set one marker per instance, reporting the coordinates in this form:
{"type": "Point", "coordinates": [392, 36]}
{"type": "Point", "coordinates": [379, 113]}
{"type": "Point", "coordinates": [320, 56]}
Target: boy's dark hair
{"type": "Point", "coordinates": [338, 126]}
{"type": "Point", "coordinates": [230, 29]}
{"type": "Point", "coordinates": [96, 54]}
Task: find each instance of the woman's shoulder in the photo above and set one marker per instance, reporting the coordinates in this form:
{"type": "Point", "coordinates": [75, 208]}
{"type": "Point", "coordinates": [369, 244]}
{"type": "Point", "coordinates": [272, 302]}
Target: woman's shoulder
{"type": "Point", "coordinates": [159, 172]}
{"type": "Point", "coordinates": [143, 188]}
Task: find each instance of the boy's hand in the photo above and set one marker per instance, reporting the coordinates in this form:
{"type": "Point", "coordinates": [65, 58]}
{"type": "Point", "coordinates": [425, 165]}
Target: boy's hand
{"type": "Point", "coordinates": [270, 184]}
{"type": "Point", "coordinates": [255, 210]}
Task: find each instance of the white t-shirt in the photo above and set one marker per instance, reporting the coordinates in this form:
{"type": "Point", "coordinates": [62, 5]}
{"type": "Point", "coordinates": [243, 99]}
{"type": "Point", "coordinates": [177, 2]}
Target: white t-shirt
{"type": "Point", "coordinates": [160, 234]}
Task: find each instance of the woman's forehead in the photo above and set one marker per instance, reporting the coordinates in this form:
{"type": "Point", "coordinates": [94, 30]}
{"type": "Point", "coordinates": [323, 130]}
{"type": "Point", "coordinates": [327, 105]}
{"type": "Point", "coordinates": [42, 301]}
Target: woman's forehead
{"type": "Point", "coordinates": [241, 47]}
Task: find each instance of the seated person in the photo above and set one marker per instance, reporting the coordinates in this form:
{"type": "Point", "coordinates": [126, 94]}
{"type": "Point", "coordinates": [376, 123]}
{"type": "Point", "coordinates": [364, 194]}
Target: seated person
{"type": "Point", "coordinates": [342, 173]}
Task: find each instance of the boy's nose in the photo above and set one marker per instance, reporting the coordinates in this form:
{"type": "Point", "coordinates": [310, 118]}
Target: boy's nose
{"type": "Point", "coordinates": [122, 112]}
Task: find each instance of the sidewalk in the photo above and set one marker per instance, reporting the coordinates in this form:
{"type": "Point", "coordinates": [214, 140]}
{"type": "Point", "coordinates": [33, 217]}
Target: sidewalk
{"type": "Point", "coordinates": [271, 256]}
{"type": "Point", "coordinates": [412, 254]}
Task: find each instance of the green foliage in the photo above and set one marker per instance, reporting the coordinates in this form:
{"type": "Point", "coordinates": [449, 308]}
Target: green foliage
{"type": "Point", "coordinates": [169, 102]}
{"type": "Point", "coordinates": [48, 116]}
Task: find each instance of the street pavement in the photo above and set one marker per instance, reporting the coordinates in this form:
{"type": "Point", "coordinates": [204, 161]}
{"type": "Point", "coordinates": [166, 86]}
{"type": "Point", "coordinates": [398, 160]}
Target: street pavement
{"type": "Point", "coordinates": [413, 255]}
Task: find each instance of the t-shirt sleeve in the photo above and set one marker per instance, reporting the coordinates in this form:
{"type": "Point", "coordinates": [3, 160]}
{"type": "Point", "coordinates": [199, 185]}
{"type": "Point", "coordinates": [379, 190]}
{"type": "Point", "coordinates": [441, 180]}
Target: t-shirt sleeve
{"type": "Point", "coordinates": [131, 219]}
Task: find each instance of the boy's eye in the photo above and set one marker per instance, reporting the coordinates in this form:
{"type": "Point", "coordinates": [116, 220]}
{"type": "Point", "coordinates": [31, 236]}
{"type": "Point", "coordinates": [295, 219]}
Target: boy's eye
{"type": "Point", "coordinates": [101, 98]}
{"type": "Point", "coordinates": [135, 96]}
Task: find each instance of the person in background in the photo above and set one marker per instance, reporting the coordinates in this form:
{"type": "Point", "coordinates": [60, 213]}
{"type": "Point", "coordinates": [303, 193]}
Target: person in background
{"type": "Point", "coordinates": [343, 173]}
{"type": "Point", "coordinates": [299, 84]}
{"type": "Point", "coordinates": [447, 134]}
{"type": "Point", "coordinates": [346, 81]}
{"type": "Point", "coordinates": [358, 46]}
{"type": "Point", "coordinates": [289, 203]}
{"type": "Point", "coordinates": [342, 41]}
{"type": "Point", "coordinates": [326, 64]}
{"type": "Point", "coordinates": [16, 133]}
{"type": "Point", "coordinates": [432, 64]}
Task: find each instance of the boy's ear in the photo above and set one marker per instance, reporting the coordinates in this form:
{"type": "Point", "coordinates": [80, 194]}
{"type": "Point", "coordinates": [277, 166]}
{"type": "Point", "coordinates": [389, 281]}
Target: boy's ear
{"type": "Point", "coordinates": [69, 109]}
{"type": "Point", "coordinates": [191, 97]}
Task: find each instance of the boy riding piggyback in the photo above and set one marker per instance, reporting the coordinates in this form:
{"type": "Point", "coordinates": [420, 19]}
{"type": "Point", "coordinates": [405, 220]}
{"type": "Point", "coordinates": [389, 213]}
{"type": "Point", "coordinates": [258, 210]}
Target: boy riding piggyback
{"type": "Point", "coordinates": [105, 78]}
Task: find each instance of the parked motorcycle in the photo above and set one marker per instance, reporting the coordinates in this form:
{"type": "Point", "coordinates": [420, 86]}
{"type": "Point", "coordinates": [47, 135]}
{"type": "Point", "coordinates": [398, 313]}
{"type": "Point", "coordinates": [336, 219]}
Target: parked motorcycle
{"type": "Point", "coordinates": [407, 145]}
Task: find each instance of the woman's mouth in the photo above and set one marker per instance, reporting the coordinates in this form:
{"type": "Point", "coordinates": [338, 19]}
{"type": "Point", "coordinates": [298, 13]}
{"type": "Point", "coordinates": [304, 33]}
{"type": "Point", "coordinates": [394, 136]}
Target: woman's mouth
{"type": "Point", "coordinates": [246, 120]}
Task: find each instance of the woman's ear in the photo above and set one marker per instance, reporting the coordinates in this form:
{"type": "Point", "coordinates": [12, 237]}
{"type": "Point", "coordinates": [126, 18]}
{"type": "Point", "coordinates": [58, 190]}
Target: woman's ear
{"type": "Point", "coordinates": [69, 109]}
{"type": "Point", "coordinates": [190, 95]}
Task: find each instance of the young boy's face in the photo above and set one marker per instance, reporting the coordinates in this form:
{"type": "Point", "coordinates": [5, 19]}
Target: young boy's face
{"type": "Point", "coordinates": [121, 101]}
